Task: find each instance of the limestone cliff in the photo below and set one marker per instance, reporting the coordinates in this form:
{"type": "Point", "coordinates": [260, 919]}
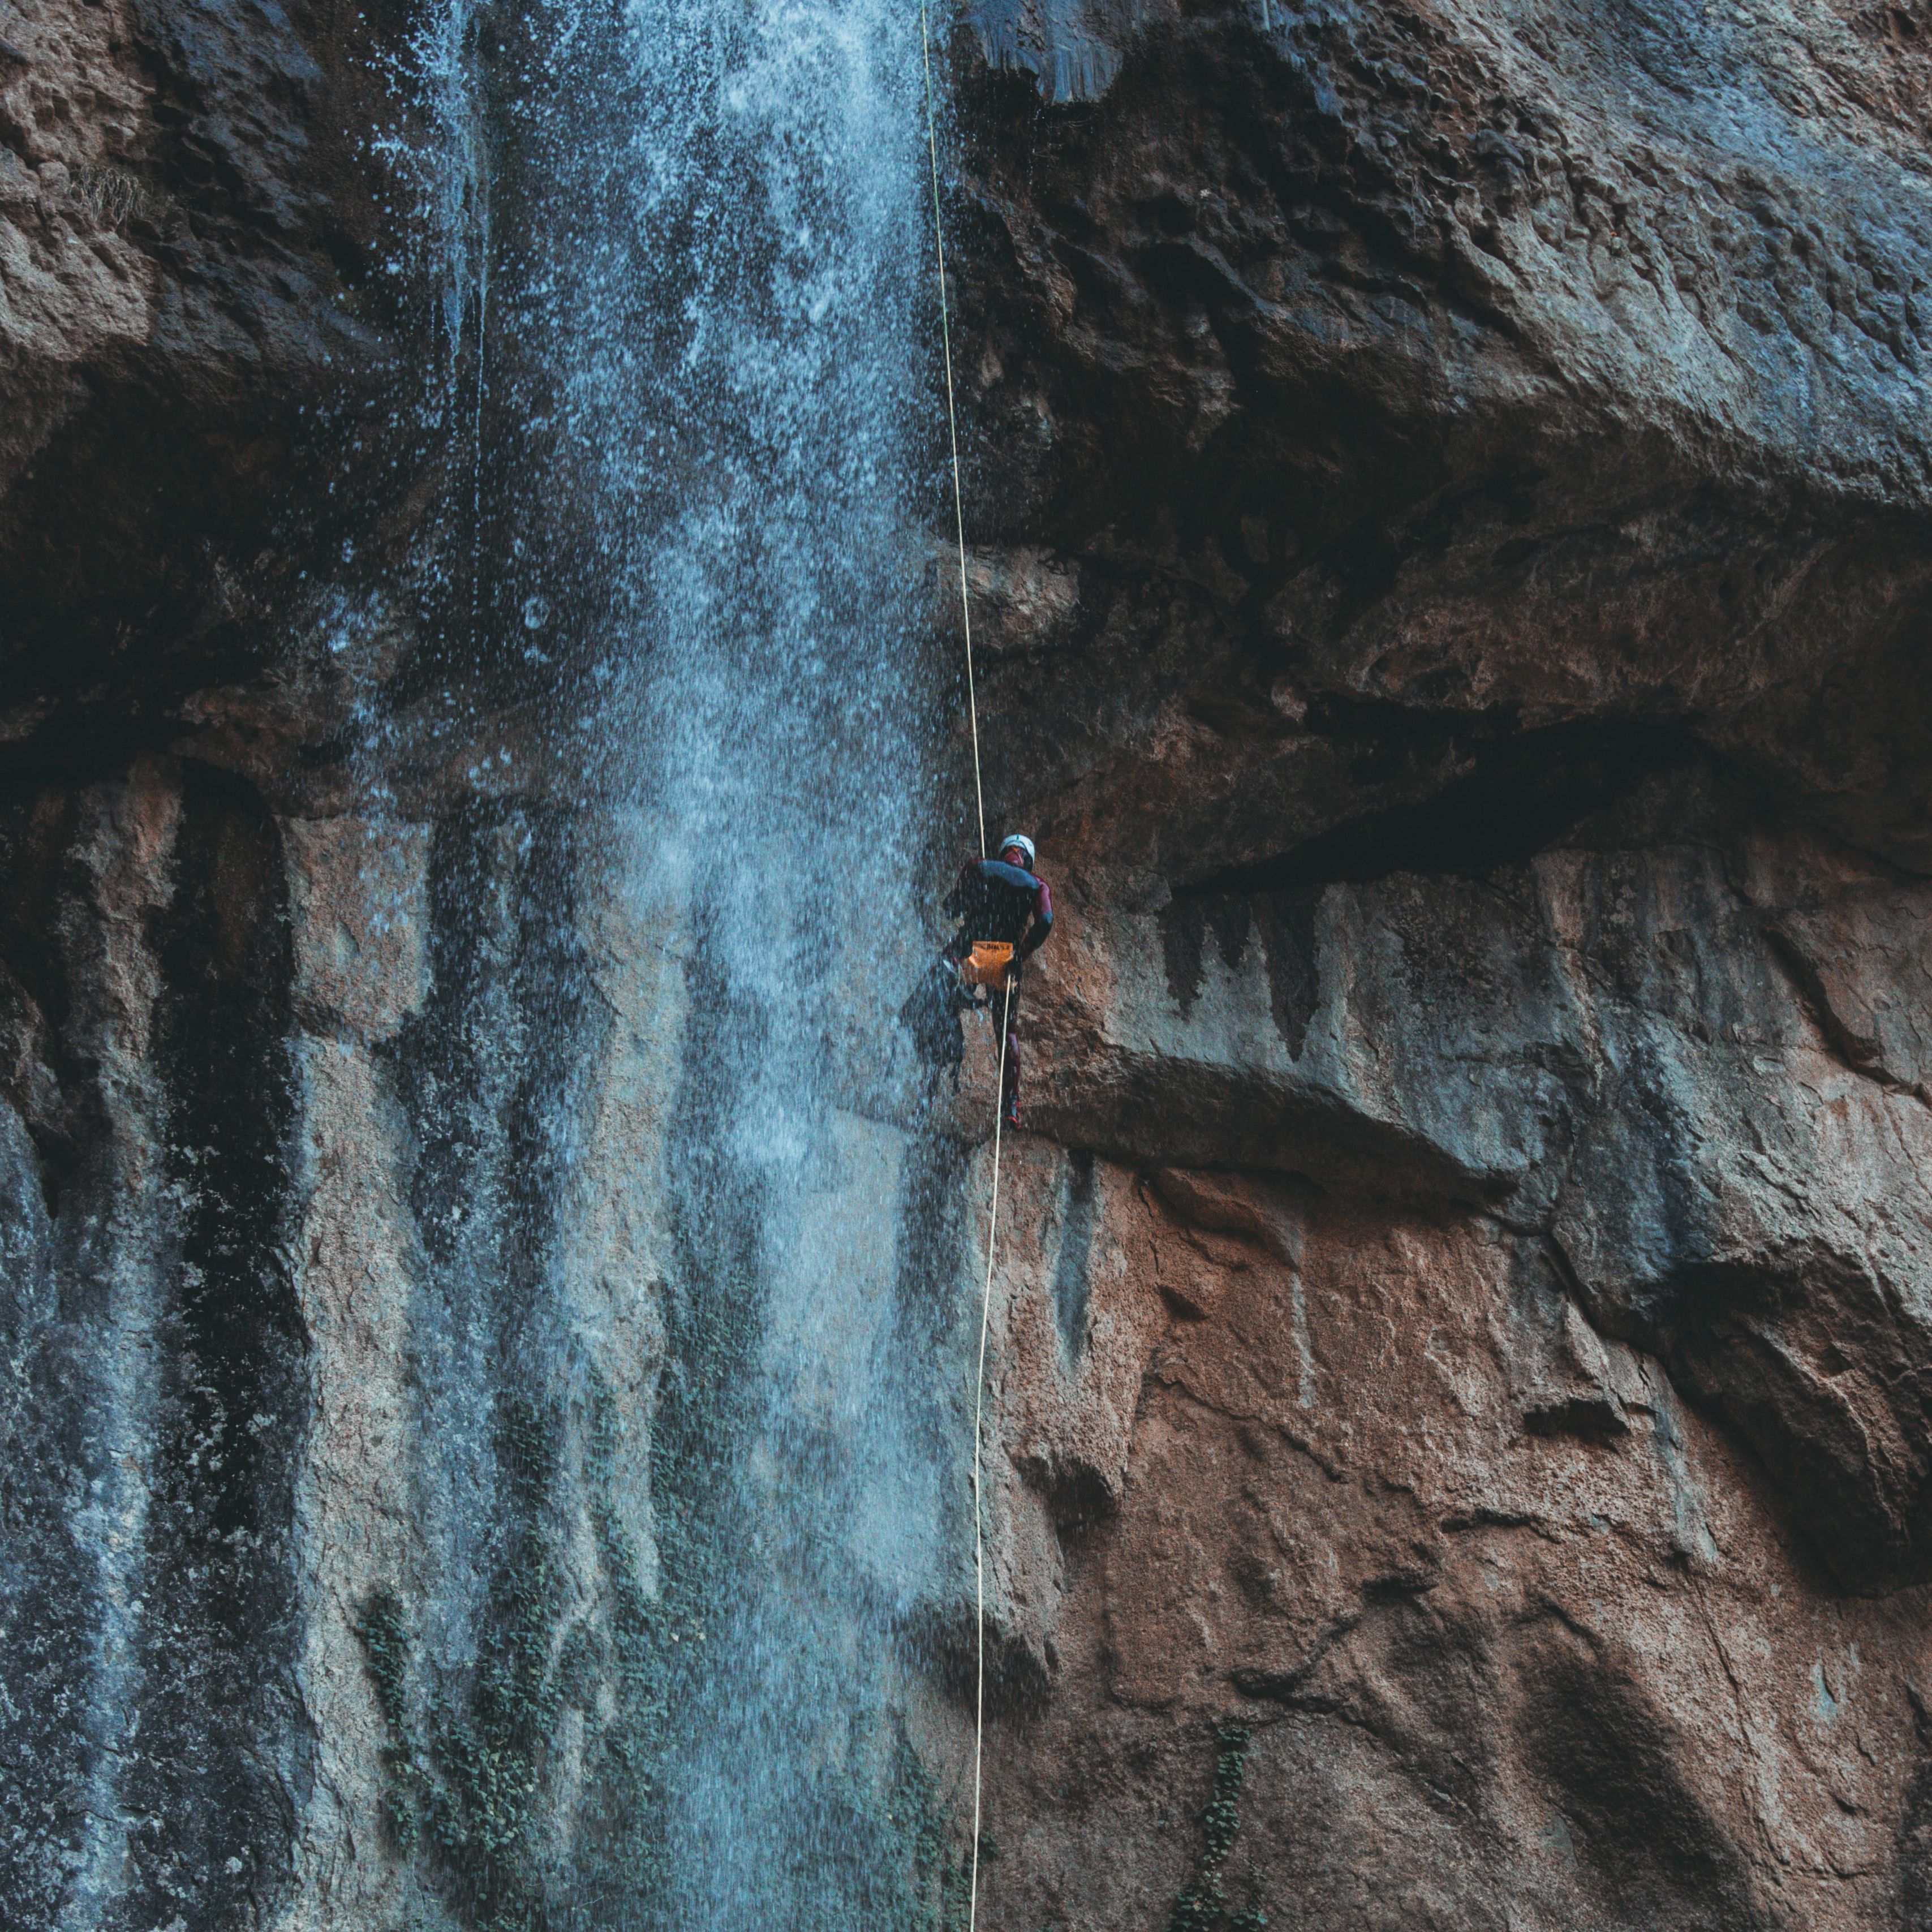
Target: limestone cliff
{"type": "Point", "coordinates": [1466, 479]}
{"type": "Point", "coordinates": [1449, 494]}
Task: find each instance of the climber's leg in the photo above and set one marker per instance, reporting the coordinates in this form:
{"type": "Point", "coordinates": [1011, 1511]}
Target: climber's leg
{"type": "Point", "coordinates": [1009, 1003]}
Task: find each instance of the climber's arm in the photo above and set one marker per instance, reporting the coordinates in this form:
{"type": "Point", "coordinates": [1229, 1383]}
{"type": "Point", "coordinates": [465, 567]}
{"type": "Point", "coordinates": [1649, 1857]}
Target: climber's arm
{"type": "Point", "coordinates": [1034, 937]}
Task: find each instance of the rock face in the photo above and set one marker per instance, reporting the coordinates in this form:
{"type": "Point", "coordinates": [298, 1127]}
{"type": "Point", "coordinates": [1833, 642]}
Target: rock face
{"type": "Point", "coordinates": [1451, 500]}
{"type": "Point", "coordinates": [1473, 1348]}
{"type": "Point", "coordinates": [187, 225]}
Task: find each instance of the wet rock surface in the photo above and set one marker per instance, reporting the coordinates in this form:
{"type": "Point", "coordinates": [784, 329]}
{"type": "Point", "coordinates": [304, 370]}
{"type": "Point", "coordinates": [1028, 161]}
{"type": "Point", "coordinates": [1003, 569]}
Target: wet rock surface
{"type": "Point", "coordinates": [1449, 524]}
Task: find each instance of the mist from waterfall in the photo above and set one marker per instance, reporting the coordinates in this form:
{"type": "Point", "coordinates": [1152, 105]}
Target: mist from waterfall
{"type": "Point", "coordinates": [701, 393]}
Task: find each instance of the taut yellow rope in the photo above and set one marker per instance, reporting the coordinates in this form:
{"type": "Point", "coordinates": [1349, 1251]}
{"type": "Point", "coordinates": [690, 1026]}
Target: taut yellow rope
{"type": "Point", "coordinates": [952, 420]}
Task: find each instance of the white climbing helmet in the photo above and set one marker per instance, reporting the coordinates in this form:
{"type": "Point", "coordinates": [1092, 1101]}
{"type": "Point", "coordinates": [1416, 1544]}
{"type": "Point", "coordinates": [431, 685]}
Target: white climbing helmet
{"type": "Point", "coordinates": [1020, 839]}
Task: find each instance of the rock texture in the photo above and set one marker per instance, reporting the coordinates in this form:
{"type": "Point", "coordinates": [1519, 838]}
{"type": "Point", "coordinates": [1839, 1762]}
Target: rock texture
{"type": "Point", "coordinates": [1459, 632]}
{"type": "Point", "coordinates": [191, 224]}
{"type": "Point", "coordinates": [1451, 502]}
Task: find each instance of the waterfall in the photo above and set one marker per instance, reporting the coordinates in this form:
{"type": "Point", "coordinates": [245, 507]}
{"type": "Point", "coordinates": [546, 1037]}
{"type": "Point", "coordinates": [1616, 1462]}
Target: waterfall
{"type": "Point", "coordinates": [680, 573]}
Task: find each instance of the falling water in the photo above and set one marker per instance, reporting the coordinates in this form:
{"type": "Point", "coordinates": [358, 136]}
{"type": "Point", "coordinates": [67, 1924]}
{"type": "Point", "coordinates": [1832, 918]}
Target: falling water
{"type": "Point", "coordinates": [698, 388]}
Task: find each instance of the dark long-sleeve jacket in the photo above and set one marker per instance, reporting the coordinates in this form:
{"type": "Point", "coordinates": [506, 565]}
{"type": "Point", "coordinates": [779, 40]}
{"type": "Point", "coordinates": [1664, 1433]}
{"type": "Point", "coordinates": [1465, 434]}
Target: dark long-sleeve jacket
{"type": "Point", "coordinates": [993, 900]}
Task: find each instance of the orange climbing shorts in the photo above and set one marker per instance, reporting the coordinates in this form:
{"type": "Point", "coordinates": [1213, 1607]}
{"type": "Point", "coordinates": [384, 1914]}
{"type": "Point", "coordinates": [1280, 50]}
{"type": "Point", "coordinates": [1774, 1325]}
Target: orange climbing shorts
{"type": "Point", "coordinates": [986, 965]}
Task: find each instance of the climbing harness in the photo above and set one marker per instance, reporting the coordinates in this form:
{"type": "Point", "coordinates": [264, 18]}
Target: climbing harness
{"type": "Point", "coordinates": [994, 971]}
{"type": "Point", "coordinates": [986, 965]}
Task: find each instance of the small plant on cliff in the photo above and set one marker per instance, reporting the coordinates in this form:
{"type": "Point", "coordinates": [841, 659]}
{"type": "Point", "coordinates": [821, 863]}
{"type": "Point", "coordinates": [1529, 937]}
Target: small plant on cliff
{"type": "Point", "coordinates": [112, 196]}
{"type": "Point", "coordinates": [1203, 1907]}
{"type": "Point", "coordinates": [385, 1633]}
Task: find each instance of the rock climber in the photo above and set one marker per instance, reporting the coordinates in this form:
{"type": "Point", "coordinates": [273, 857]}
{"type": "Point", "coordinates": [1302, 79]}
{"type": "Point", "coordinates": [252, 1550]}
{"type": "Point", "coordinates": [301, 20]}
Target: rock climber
{"type": "Point", "coordinates": [1001, 902]}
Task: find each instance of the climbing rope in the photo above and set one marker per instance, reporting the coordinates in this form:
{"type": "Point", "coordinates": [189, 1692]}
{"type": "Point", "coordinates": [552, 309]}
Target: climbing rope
{"type": "Point", "coordinates": [979, 1540]}
{"type": "Point", "coordinates": [1007, 1010]}
{"type": "Point", "coordinates": [952, 421]}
